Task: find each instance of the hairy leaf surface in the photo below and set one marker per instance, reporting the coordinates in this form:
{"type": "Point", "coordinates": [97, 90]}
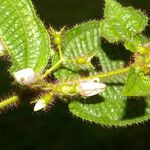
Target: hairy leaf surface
{"type": "Point", "coordinates": [121, 23]}
{"type": "Point", "coordinates": [138, 84]}
{"type": "Point", "coordinates": [24, 35]}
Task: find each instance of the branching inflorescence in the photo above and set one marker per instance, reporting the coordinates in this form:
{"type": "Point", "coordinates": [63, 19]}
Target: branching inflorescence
{"type": "Point", "coordinates": [71, 53]}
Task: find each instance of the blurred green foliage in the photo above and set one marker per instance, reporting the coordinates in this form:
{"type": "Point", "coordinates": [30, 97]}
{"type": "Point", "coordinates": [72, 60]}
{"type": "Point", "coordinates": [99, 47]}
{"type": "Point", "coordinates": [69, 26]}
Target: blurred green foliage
{"type": "Point", "coordinates": [21, 129]}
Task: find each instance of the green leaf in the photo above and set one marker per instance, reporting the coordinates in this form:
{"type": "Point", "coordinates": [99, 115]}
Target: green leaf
{"type": "Point", "coordinates": [113, 30]}
{"type": "Point", "coordinates": [24, 35]}
{"type": "Point", "coordinates": [84, 40]}
{"type": "Point", "coordinates": [137, 83]}
{"type": "Point", "coordinates": [81, 41]}
{"type": "Point", "coordinates": [109, 108]}
{"type": "Point", "coordinates": [113, 112]}
{"type": "Point", "coordinates": [137, 41]}
{"type": "Point", "coordinates": [123, 24]}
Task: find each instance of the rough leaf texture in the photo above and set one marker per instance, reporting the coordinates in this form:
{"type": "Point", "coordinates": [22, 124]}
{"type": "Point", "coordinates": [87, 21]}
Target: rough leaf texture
{"type": "Point", "coordinates": [78, 43]}
{"type": "Point", "coordinates": [24, 35]}
{"type": "Point", "coordinates": [138, 84]}
{"type": "Point", "coordinates": [123, 24]}
{"type": "Point", "coordinates": [109, 108]}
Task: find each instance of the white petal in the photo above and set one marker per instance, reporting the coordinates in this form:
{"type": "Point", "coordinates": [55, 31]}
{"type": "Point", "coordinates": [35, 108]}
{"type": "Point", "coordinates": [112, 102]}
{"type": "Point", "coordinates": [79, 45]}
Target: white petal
{"type": "Point", "coordinates": [25, 76]}
{"type": "Point", "coordinates": [90, 87]}
{"type": "Point", "coordinates": [39, 105]}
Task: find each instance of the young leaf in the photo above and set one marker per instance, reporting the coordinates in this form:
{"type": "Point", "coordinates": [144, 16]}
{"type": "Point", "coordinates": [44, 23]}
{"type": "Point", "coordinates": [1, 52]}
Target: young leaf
{"type": "Point", "coordinates": [137, 83]}
{"type": "Point", "coordinates": [123, 24]}
{"type": "Point", "coordinates": [113, 30]}
{"type": "Point", "coordinates": [24, 35]}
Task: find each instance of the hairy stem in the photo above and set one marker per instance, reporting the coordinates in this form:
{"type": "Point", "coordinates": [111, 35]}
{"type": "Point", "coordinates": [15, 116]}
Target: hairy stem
{"type": "Point", "coordinates": [60, 52]}
{"type": "Point", "coordinates": [111, 73]}
{"type": "Point", "coordinates": [9, 101]}
{"type": "Point", "coordinates": [53, 68]}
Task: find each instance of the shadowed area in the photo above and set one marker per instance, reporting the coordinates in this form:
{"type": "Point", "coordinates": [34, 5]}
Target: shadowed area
{"type": "Point", "coordinates": [134, 108]}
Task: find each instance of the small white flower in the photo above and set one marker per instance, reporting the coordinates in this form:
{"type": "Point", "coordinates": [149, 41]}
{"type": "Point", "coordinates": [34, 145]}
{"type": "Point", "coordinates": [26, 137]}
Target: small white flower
{"type": "Point", "coordinates": [40, 105]}
{"type": "Point", "coordinates": [25, 76]}
{"type": "Point", "coordinates": [90, 87]}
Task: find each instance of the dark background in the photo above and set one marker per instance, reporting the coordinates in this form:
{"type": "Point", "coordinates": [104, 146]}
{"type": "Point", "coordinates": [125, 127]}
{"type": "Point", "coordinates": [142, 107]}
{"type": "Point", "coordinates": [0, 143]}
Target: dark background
{"type": "Point", "coordinates": [58, 129]}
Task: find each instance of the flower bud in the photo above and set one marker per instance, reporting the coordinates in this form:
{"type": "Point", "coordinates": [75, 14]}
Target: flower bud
{"type": "Point", "coordinates": [25, 76]}
{"type": "Point", "coordinates": [43, 101]}
{"type": "Point", "coordinates": [40, 105]}
{"type": "Point", "coordinates": [90, 88]}
{"type": "Point", "coordinates": [57, 35]}
{"type": "Point", "coordinates": [83, 60]}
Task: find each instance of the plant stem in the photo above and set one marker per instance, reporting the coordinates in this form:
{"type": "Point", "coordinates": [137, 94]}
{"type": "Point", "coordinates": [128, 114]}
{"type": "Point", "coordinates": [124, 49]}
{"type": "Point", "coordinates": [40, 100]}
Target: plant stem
{"type": "Point", "coordinates": [9, 101]}
{"type": "Point", "coordinates": [108, 74]}
{"type": "Point", "coordinates": [54, 67]}
{"type": "Point", "coordinates": [60, 52]}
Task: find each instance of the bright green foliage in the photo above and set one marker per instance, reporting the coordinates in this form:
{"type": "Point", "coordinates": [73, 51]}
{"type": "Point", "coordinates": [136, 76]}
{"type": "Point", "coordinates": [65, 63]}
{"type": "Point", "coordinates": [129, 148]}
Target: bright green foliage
{"type": "Point", "coordinates": [80, 42]}
{"type": "Point", "coordinates": [110, 107]}
{"type": "Point", "coordinates": [113, 31]}
{"type": "Point", "coordinates": [79, 53]}
{"type": "Point", "coordinates": [121, 23]}
{"type": "Point", "coordinates": [137, 41]}
{"type": "Point", "coordinates": [138, 84]}
{"type": "Point", "coordinates": [113, 112]}
{"type": "Point", "coordinates": [25, 37]}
